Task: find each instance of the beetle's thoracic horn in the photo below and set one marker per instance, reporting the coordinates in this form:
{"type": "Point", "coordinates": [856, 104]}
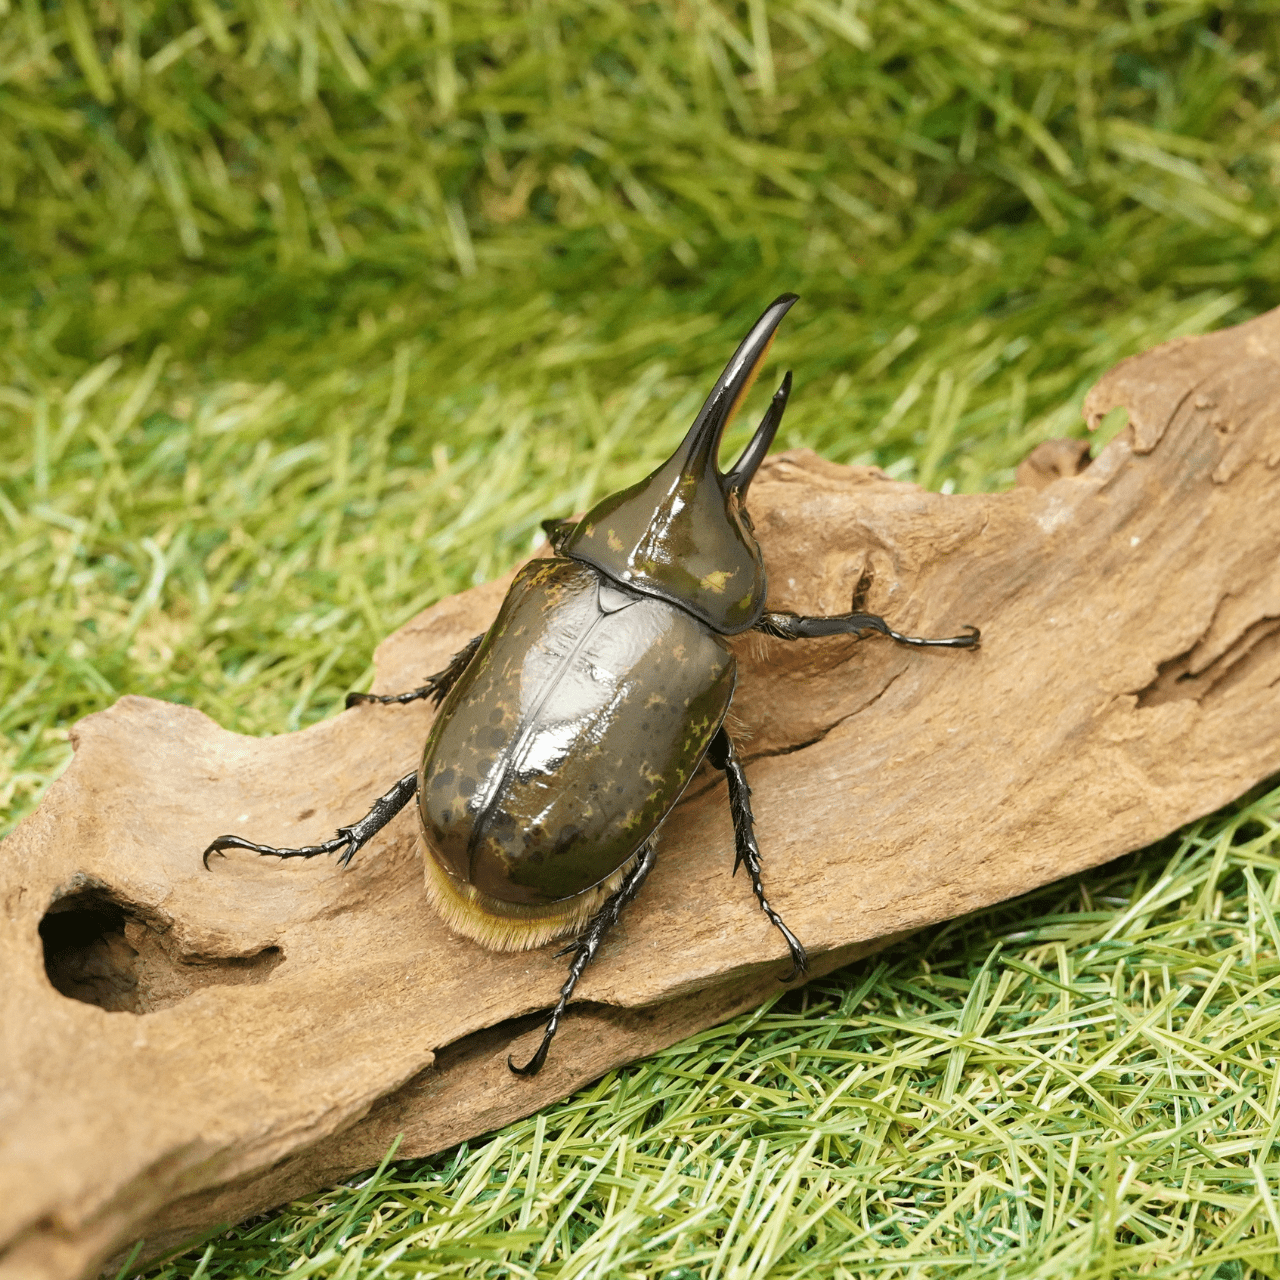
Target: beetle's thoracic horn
{"type": "Point", "coordinates": [681, 533]}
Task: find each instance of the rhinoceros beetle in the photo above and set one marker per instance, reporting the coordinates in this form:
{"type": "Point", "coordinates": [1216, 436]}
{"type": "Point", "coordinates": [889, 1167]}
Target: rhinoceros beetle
{"type": "Point", "coordinates": [568, 731]}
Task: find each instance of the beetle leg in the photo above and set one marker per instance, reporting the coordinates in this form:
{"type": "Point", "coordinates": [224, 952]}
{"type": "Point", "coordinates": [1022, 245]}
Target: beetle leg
{"type": "Point", "coordinates": [722, 755]}
{"type": "Point", "coordinates": [436, 687]}
{"type": "Point", "coordinates": [585, 948]}
{"type": "Point", "coordinates": [558, 531]}
{"type": "Point", "coordinates": [792, 626]}
{"type": "Point", "coordinates": [353, 837]}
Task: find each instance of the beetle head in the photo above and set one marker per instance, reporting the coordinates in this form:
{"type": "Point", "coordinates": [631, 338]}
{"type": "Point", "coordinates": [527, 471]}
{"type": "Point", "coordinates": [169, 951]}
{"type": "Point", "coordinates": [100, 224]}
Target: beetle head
{"type": "Point", "coordinates": [682, 533]}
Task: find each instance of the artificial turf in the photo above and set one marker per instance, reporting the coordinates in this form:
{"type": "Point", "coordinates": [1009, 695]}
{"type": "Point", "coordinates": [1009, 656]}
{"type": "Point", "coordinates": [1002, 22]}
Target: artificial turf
{"type": "Point", "coordinates": [312, 310]}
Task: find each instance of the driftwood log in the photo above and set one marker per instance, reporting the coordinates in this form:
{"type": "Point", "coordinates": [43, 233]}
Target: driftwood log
{"type": "Point", "coordinates": [184, 1048]}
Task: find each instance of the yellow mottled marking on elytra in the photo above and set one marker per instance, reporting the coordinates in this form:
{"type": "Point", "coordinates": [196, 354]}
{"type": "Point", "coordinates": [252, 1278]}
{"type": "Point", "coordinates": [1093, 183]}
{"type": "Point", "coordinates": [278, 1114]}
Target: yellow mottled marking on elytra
{"type": "Point", "coordinates": [655, 700]}
{"type": "Point", "coordinates": [615, 543]}
{"type": "Point", "coordinates": [715, 581]}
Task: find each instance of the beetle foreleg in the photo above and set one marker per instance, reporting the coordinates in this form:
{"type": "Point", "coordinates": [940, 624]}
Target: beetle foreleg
{"type": "Point", "coordinates": [353, 837]}
{"type": "Point", "coordinates": [558, 532]}
{"type": "Point", "coordinates": [436, 687]}
{"type": "Point", "coordinates": [722, 755]}
{"type": "Point", "coordinates": [584, 951]}
{"type": "Point", "coordinates": [792, 626]}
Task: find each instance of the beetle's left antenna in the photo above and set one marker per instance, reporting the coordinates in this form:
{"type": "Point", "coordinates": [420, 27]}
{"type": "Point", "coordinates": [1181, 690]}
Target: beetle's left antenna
{"type": "Point", "coordinates": [740, 475]}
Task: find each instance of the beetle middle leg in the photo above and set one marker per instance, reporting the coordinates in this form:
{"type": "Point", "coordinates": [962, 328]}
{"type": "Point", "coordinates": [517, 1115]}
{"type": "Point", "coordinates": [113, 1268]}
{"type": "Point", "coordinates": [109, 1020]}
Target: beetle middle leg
{"type": "Point", "coordinates": [351, 838]}
{"type": "Point", "coordinates": [436, 687]}
{"type": "Point", "coordinates": [722, 755]}
{"type": "Point", "coordinates": [585, 948]}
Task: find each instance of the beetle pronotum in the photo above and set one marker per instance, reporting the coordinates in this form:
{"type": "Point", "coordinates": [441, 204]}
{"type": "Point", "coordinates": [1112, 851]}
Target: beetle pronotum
{"type": "Point", "coordinates": [568, 731]}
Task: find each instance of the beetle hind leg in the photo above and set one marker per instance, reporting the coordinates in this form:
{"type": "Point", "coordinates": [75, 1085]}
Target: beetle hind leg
{"type": "Point", "coordinates": [351, 838]}
{"type": "Point", "coordinates": [723, 756]}
{"type": "Point", "coordinates": [436, 687]}
{"type": "Point", "coordinates": [584, 951]}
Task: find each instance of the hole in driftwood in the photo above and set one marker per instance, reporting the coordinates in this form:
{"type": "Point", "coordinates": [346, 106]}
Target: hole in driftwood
{"type": "Point", "coordinates": [104, 952]}
{"type": "Point", "coordinates": [85, 952]}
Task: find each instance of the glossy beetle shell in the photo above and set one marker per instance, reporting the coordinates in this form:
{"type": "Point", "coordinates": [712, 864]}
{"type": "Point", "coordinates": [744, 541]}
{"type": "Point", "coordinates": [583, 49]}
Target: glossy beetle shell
{"type": "Point", "coordinates": [682, 533]}
{"type": "Point", "coordinates": [685, 541]}
{"type": "Point", "coordinates": [569, 737]}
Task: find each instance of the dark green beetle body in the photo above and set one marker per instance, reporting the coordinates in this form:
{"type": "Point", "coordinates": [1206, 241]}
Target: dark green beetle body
{"type": "Point", "coordinates": [568, 731]}
{"type": "Point", "coordinates": [593, 698]}
{"type": "Point", "coordinates": [563, 745]}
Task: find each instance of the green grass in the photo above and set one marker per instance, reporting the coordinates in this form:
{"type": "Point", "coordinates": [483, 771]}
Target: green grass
{"type": "Point", "coordinates": [310, 311]}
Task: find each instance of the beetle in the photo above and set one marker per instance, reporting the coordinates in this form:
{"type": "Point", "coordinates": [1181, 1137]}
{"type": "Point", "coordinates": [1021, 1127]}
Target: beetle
{"type": "Point", "coordinates": [567, 732]}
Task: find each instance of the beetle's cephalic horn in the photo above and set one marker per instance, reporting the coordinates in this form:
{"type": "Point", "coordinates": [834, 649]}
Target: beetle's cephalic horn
{"type": "Point", "coordinates": [681, 534]}
{"type": "Point", "coordinates": [742, 472]}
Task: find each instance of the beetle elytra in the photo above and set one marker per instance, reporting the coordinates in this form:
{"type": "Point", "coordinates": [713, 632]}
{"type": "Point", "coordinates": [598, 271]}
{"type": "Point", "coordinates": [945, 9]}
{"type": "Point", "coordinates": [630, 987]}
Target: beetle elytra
{"type": "Point", "coordinates": [568, 731]}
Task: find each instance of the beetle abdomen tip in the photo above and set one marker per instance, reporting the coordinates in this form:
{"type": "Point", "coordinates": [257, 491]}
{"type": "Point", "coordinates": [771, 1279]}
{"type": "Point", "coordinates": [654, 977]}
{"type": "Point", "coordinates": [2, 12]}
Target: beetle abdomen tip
{"type": "Point", "coordinates": [509, 926]}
